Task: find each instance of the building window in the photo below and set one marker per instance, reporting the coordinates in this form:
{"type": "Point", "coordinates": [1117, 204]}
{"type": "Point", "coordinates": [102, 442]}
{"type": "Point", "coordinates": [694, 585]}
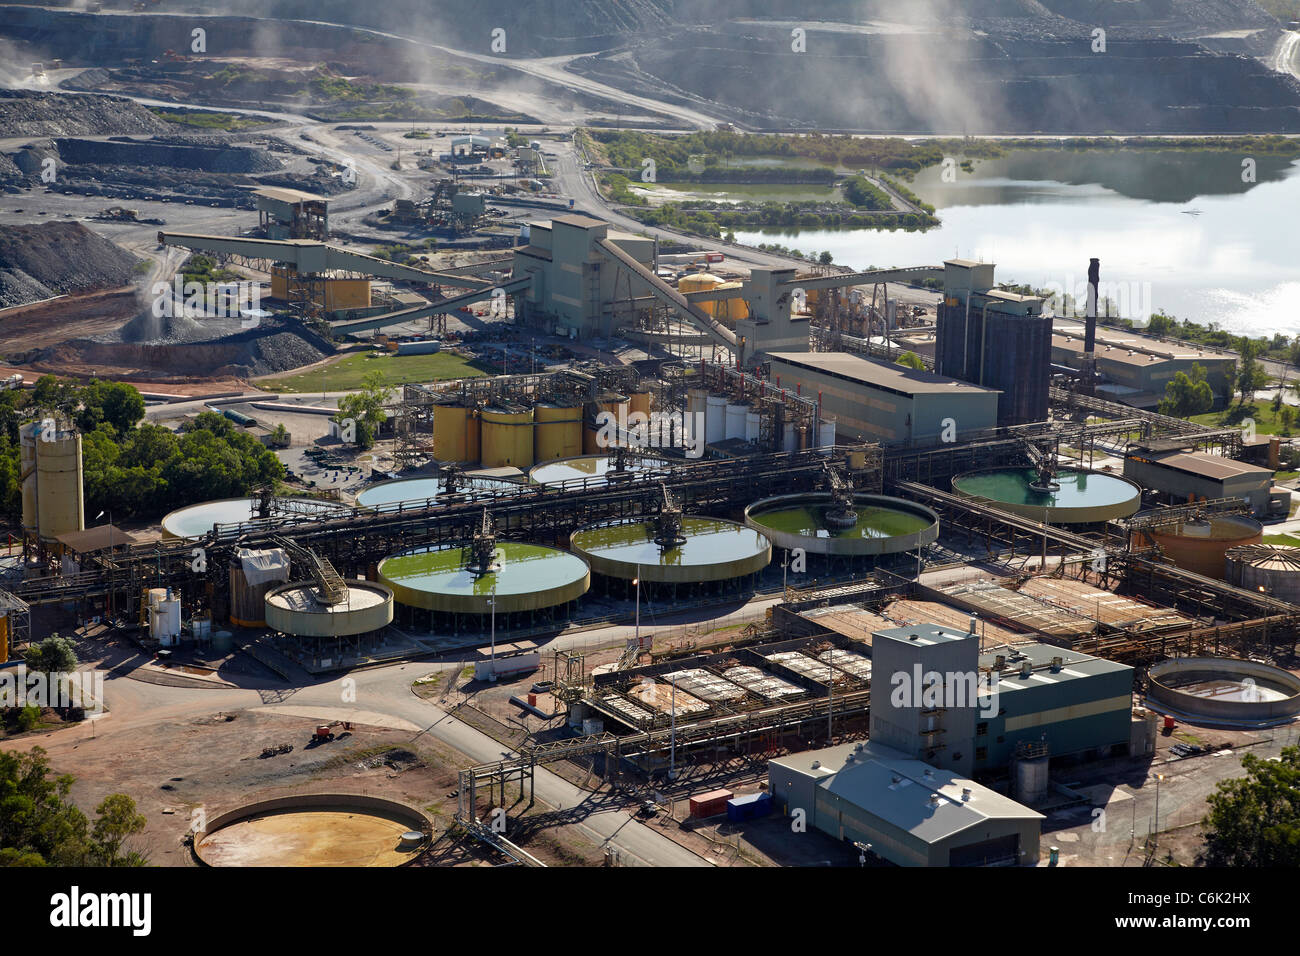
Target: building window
{"type": "Point", "coordinates": [981, 753]}
{"type": "Point", "coordinates": [981, 730]}
{"type": "Point", "coordinates": [1001, 739]}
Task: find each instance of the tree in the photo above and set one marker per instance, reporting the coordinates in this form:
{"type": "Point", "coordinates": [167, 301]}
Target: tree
{"type": "Point", "coordinates": [911, 360]}
{"type": "Point", "coordinates": [1187, 395]}
{"type": "Point", "coordinates": [1250, 375]}
{"type": "Point", "coordinates": [1287, 417]}
{"type": "Point", "coordinates": [1255, 820]}
{"type": "Point", "coordinates": [39, 826]}
{"type": "Point", "coordinates": [54, 655]}
{"type": "Point", "coordinates": [365, 409]}
{"type": "Point", "coordinates": [826, 258]}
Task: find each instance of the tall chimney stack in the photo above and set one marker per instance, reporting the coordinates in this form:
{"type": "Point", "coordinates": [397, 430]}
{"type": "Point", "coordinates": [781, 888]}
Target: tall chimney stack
{"type": "Point", "coordinates": [1090, 326]}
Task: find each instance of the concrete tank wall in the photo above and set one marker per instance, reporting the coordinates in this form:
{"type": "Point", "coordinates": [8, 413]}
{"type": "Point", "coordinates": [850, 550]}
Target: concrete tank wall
{"type": "Point", "coordinates": [1202, 546]}
{"type": "Point", "coordinates": [1213, 710]}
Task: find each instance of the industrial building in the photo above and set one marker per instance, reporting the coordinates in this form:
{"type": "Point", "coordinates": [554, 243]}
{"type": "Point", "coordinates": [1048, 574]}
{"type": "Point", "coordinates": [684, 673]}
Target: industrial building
{"type": "Point", "coordinates": [939, 700]}
{"type": "Point", "coordinates": [905, 811]}
{"type": "Point", "coordinates": [880, 401]}
{"type": "Point", "coordinates": [1135, 369]}
{"type": "Point", "coordinates": [292, 214]}
{"type": "Point", "coordinates": [1180, 476]}
{"type": "Point", "coordinates": [477, 147]}
{"type": "Point", "coordinates": [1001, 340]}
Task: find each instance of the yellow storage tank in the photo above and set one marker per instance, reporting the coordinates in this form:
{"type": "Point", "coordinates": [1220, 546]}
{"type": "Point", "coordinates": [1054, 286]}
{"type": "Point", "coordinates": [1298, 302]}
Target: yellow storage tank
{"type": "Point", "coordinates": [698, 282]}
{"type": "Point", "coordinates": [450, 433]}
{"type": "Point", "coordinates": [616, 405]}
{"type": "Point", "coordinates": [473, 434]}
{"type": "Point", "coordinates": [639, 402]}
{"type": "Point", "coordinates": [507, 436]}
{"type": "Point", "coordinates": [52, 491]}
{"type": "Point", "coordinates": [730, 311]}
{"type": "Point", "coordinates": [559, 431]}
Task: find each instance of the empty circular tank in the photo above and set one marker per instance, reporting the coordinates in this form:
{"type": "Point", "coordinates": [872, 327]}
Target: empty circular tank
{"type": "Point", "coordinates": [410, 492]}
{"type": "Point", "coordinates": [1272, 569]}
{"type": "Point", "coordinates": [1083, 497]}
{"type": "Point", "coordinates": [1202, 546]}
{"type": "Point", "coordinates": [529, 577]}
{"type": "Point", "coordinates": [713, 550]}
{"type": "Point", "coordinates": [884, 525]}
{"type": "Point", "coordinates": [194, 521]}
{"type": "Point", "coordinates": [1223, 691]}
{"type": "Point", "coordinates": [595, 469]}
{"type": "Point", "coordinates": [294, 609]}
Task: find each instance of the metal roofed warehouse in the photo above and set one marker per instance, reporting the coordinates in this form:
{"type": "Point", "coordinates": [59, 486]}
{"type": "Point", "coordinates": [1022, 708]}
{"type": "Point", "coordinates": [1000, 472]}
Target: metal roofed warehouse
{"type": "Point", "coordinates": [883, 401]}
{"type": "Point", "coordinates": [912, 814]}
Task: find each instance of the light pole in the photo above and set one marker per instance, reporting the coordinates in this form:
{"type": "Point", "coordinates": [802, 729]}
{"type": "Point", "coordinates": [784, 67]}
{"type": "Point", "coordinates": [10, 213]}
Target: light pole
{"type": "Point", "coordinates": [1156, 839]}
{"type": "Point", "coordinates": [785, 574]}
{"type": "Point", "coordinates": [636, 581]}
{"type": "Point", "coordinates": [492, 603]}
{"type": "Point", "coordinates": [672, 736]}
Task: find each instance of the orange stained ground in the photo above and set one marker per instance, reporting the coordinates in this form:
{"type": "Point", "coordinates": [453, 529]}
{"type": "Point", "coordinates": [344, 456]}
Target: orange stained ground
{"type": "Point", "coordinates": [307, 838]}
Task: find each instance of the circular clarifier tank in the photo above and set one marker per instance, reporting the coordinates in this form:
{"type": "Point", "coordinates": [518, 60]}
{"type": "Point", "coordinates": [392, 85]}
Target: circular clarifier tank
{"type": "Point", "coordinates": [410, 492]}
{"type": "Point", "coordinates": [709, 549]}
{"type": "Point", "coordinates": [883, 525]}
{"type": "Point", "coordinates": [194, 521]}
{"type": "Point", "coordinates": [527, 577]}
{"type": "Point", "coordinates": [1223, 691]}
{"type": "Point", "coordinates": [315, 830]}
{"type": "Point", "coordinates": [1077, 496]}
{"type": "Point", "coordinates": [294, 609]}
{"type": "Point", "coordinates": [595, 469]}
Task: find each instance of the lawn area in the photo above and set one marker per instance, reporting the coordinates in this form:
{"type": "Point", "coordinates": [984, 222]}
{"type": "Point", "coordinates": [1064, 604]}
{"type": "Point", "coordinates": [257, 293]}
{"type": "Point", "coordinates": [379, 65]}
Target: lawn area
{"type": "Point", "coordinates": [348, 371]}
{"type": "Point", "coordinates": [1267, 421]}
{"type": "Point", "coordinates": [1287, 539]}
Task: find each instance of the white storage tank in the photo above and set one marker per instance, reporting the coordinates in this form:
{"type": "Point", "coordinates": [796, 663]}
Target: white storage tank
{"type": "Point", "coordinates": [751, 425]}
{"type": "Point", "coordinates": [1031, 779]}
{"type": "Point", "coordinates": [826, 434]}
{"type": "Point", "coordinates": [50, 458]}
{"type": "Point", "coordinates": [165, 617]}
{"type": "Point", "coordinates": [790, 438]}
{"type": "Point", "coordinates": [735, 420]}
{"type": "Point", "coordinates": [1271, 569]}
{"type": "Point", "coordinates": [715, 422]}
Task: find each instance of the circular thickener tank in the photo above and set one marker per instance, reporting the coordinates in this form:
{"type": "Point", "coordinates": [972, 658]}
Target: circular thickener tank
{"type": "Point", "coordinates": [1272, 569]}
{"type": "Point", "coordinates": [529, 577]}
{"type": "Point", "coordinates": [883, 525]}
{"type": "Point", "coordinates": [406, 493]}
{"type": "Point", "coordinates": [294, 609]}
{"type": "Point", "coordinates": [1202, 546]}
{"type": "Point", "coordinates": [595, 469]}
{"type": "Point", "coordinates": [1083, 497]}
{"type": "Point", "coordinates": [714, 550]}
{"type": "Point", "coordinates": [1223, 691]}
{"type": "Point", "coordinates": [507, 435]}
{"type": "Point", "coordinates": [313, 830]}
{"type": "Point", "coordinates": [559, 431]}
{"type": "Point", "coordinates": [194, 521]}
{"type": "Point", "coordinates": [451, 427]}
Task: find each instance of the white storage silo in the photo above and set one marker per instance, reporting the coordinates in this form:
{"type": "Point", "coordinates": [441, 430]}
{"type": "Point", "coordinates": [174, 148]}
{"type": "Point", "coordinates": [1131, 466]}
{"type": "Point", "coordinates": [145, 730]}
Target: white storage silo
{"type": "Point", "coordinates": [735, 421]}
{"type": "Point", "coordinates": [715, 421]}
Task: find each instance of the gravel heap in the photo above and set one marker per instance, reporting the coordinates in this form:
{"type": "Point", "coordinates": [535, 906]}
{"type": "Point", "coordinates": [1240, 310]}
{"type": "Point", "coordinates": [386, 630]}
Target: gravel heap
{"type": "Point", "coordinates": [34, 113]}
{"type": "Point", "coordinates": [58, 258]}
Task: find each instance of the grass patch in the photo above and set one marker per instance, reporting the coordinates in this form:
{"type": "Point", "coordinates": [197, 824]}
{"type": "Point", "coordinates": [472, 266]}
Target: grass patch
{"type": "Point", "coordinates": [348, 372]}
{"type": "Point", "coordinates": [205, 119]}
{"type": "Point", "coordinates": [1267, 421]}
{"type": "Point", "coordinates": [1287, 539]}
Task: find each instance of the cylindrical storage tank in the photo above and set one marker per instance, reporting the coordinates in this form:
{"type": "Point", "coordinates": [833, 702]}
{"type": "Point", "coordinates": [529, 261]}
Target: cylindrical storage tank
{"type": "Point", "coordinates": [247, 601]}
{"type": "Point", "coordinates": [1202, 546]}
{"type": "Point", "coordinates": [700, 282]}
{"type": "Point", "coordinates": [473, 434]}
{"type": "Point", "coordinates": [29, 435]}
{"type": "Point", "coordinates": [715, 419]}
{"type": "Point", "coordinates": [730, 311]}
{"type": "Point", "coordinates": [559, 431]}
{"type": "Point", "coordinates": [293, 609]}
{"type": "Point", "coordinates": [165, 621]}
{"type": "Point", "coordinates": [735, 421]}
{"type": "Point", "coordinates": [826, 433]}
{"type": "Point", "coordinates": [59, 504]}
{"type": "Point", "coordinates": [789, 438]}
{"type": "Point", "coordinates": [1031, 780]}
{"type": "Point", "coordinates": [507, 435]}
{"type": "Point", "coordinates": [751, 425]}
{"type": "Point", "coordinates": [450, 431]}
{"type": "Point", "coordinates": [4, 638]}
{"type": "Point", "coordinates": [1271, 569]}
{"type": "Point", "coordinates": [222, 641]}
{"type": "Point", "coordinates": [1076, 496]}
{"type": "Point", "coordinates": [613, 403]}
{"type": "Point", "coordinates": [639, 402]}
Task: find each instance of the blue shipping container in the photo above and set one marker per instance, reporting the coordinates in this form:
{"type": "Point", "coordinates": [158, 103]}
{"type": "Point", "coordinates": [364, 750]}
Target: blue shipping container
{"type": "Point", "coordinates": [749, 807]}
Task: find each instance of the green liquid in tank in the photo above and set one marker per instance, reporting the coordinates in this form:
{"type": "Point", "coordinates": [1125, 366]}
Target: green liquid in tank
{"type": "Point", "coordinates": [1079, 489]}
{"type": "Point", "coordinates": [708, 541]}
{"type": "Point", "coordinates": [873, 522]}
{"type": "Point", "coordinates": [525, 568]}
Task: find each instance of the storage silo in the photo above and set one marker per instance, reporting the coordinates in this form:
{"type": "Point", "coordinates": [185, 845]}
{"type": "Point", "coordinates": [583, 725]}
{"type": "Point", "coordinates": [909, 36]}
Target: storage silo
{"type": "Point", "coordinates": [1201, 546]}
{"type": "Point", "coordinates": [1271, 569]}
{"type": "Point", "coordinates": [715, 419]}
{"type": "Point", "coordinates": [450, 433]}
{"type": "Point", "coordinates": [507, 436]}
{"type": "Point", "coordinates": [53, 501]}
{"type": "Point", "coordinates": [252, 574]}
{"type": "Point", "coordinates": [735, 420]}
{"type": "Point", "coordinates": [616, 405]}
{"type": "Point", "coordinates": [559, 431]}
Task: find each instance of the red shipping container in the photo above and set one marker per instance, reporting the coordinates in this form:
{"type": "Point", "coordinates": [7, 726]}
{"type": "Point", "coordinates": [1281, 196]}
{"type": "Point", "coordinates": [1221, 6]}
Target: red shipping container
{"type": "Point", "coordinates": [710, 804]}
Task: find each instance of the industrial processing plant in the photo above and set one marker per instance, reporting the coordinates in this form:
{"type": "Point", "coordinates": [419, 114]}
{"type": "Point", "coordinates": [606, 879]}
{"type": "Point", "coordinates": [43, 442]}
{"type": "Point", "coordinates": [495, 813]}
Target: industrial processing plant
{"type": "Point", "coordinates": [532, 507]}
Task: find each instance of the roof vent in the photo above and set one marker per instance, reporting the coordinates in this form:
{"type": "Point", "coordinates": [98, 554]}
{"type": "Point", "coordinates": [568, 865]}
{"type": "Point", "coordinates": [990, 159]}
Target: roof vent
{"type": "Point", "coordinates": [848, 759]}
{"type": "Point", "coordinates": [895, 779]}
{"type": "Point", "coordinates": [1026, 667]}
{"type": "Point", "coordinates": [912, 637]}
{"type": "Point", "coordinates": [965, 794]}
{"type": "Point", "coordinates": [934, 799]}
{"type": "Point", "coordinates": [999, 662]}
{"type": "Point", "coordinates": [1056, 664]}
{"type": "Point", "coordinates": [816, 764]}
